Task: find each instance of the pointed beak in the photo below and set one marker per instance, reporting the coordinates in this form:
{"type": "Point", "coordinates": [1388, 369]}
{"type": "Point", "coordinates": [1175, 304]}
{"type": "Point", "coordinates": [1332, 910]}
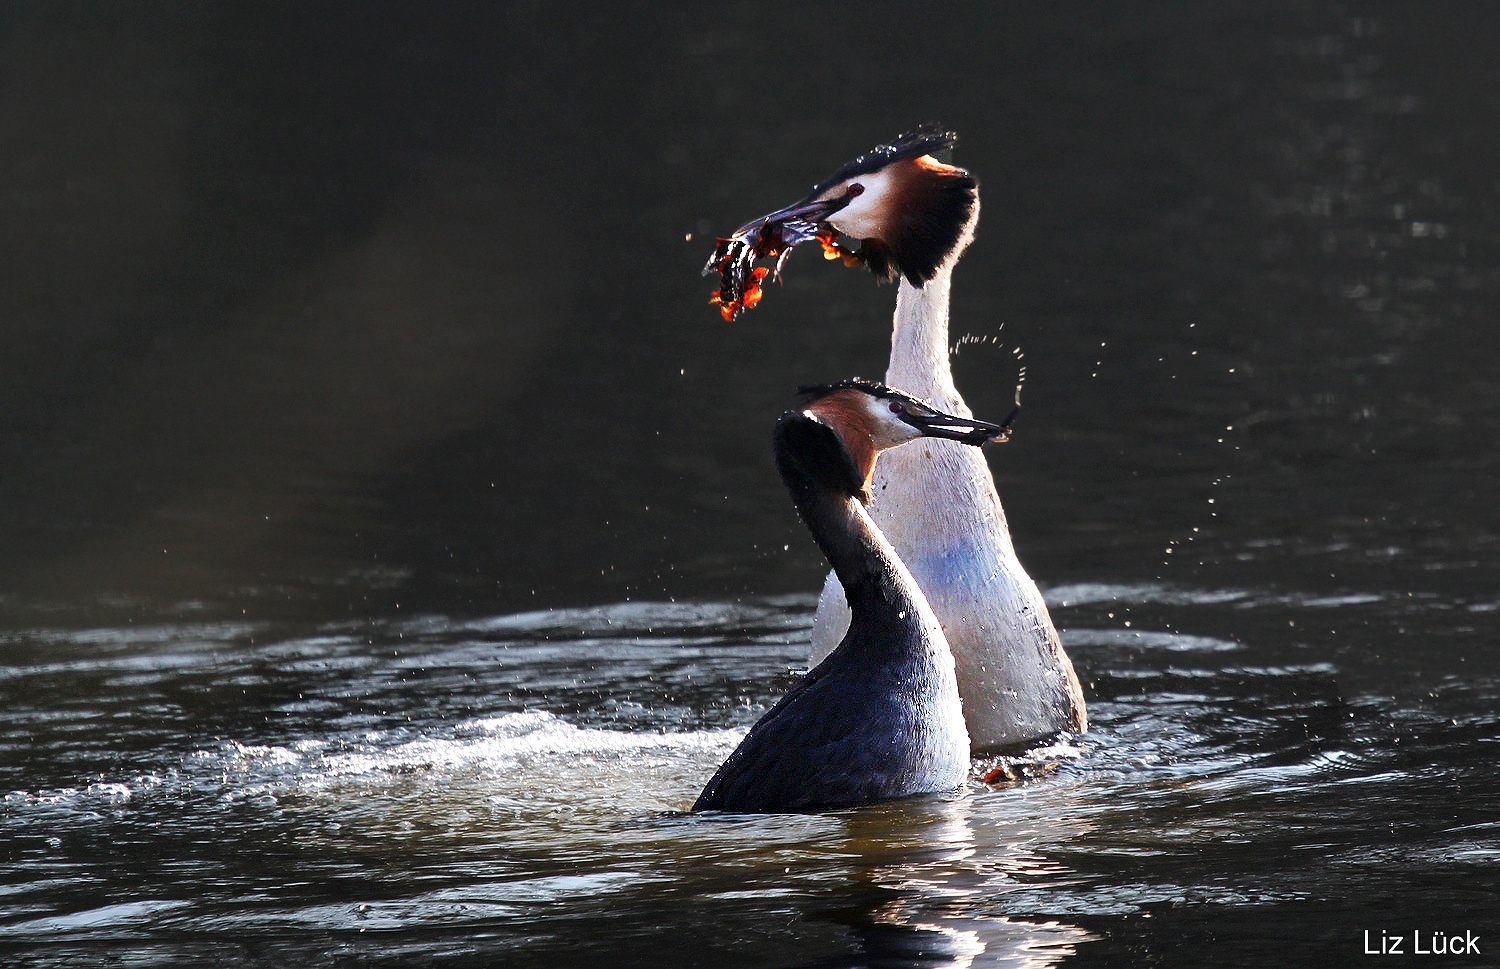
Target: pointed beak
{"type": "Point", "coordinates": [802, 218]}
{"type": "Point", "coordinates": [966, 430]}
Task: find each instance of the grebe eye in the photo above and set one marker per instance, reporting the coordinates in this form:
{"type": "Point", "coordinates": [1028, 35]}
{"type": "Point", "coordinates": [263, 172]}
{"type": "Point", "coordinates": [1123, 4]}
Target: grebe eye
{"type": "Point", "coordinates": [855, 189]}
{"type": "Point", "coordinates": [897, 407]}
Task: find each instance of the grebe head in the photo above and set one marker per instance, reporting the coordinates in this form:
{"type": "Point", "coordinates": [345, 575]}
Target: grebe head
{"type": "Point", "coordinates": [912, 214]}
{"type": "Point", "coordinates": [869, 417]}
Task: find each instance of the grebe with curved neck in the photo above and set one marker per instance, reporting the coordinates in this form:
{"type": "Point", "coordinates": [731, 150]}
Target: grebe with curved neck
{"type": "Point", "coordinates": [880, 716]}
{"type": "Point", "coordinates": [936, 502]}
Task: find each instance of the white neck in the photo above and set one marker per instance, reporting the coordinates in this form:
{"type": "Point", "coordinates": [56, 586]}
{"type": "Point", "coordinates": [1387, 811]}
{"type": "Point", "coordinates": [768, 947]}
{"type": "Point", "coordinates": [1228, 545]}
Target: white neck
{"type": "Point", "coordinates": [919, 343]}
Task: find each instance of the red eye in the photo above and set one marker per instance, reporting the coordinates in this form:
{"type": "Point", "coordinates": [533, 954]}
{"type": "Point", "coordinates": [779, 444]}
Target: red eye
{"type": "Point", "coordinates": [897, 407]}
{"type": "Point", "coordinates": [855, 189]}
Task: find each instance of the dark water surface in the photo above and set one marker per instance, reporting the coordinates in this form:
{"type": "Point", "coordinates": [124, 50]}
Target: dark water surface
{"type": "Point", "coordinates": [390, 546]}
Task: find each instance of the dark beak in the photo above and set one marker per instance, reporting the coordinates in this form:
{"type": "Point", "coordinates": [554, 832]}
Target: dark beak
{"type": "Point", "coordinates": [963, 429]}
{"type": "Point", "coordinates": [808, 213]}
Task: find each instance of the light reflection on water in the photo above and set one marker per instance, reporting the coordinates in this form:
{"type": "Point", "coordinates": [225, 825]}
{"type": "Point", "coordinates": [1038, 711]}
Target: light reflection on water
{"type": "Point", "coordinates": [383, 783]}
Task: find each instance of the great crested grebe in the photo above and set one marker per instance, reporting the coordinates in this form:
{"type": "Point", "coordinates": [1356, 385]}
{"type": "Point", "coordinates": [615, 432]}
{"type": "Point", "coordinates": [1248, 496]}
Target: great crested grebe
{"type": "Point", "coordinates": [879, 717]}
{"type": "Point", "coordinates": [936, 501]}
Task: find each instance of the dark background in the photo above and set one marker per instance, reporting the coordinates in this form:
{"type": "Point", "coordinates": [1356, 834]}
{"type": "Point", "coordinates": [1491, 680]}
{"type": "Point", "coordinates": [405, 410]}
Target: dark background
{"type": "Point", "coordinates": [330, 308]}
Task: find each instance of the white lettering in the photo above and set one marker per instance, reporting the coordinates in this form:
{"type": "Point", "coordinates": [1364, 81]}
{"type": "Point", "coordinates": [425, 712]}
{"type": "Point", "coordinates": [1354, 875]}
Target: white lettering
{"type": "Point", "coordinates": [1423, 943]}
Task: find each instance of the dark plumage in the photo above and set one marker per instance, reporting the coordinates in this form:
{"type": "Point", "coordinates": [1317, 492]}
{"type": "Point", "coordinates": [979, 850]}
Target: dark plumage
{"type": "Point", "coordinates": [879, 718]}
{"type": "Point", "coordinates": [934, 214]}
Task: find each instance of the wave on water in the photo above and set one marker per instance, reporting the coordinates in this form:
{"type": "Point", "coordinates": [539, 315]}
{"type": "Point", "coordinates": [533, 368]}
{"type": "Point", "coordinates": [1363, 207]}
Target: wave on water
{"type": "Point", "coordinates": [529, 751]}
{"type": "Point", "coordinates": [527, 738]}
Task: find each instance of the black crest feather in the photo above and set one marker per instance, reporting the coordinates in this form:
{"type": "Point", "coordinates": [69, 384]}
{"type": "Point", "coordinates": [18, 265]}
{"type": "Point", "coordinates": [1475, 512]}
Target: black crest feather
{"type": "Point", "coordinates": [922, 140]}
{"type": "Point", "coordinates": [813, 392]}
